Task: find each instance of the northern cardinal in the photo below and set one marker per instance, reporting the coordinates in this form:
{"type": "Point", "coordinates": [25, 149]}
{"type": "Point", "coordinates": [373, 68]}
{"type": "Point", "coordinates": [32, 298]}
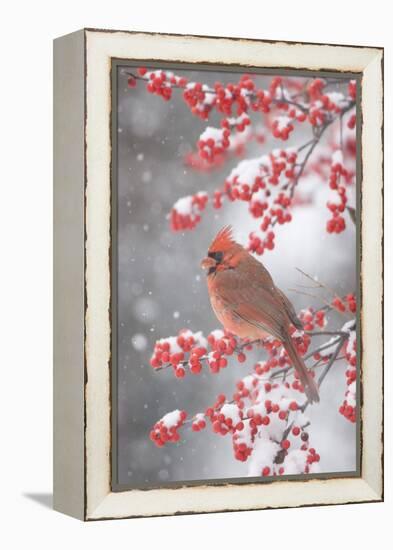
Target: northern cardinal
{"type": "Point", "coordinates": [247, 302]}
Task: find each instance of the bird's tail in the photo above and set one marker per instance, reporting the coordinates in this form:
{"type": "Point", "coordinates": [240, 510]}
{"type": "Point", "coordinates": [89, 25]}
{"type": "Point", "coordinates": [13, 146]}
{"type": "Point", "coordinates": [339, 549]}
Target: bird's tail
{"type": "Point", "coordinates": [308, 382]}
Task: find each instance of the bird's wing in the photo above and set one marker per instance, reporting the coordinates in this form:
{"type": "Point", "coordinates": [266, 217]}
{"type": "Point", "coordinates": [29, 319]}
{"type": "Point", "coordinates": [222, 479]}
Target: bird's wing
{"type": "Point", "coordinates": [252, 297]}
{"type": "Point", "coordinates": [290, 310]}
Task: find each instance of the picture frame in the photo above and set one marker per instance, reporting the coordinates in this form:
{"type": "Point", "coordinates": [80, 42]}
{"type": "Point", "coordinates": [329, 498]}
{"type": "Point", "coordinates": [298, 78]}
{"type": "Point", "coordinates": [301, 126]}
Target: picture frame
{"type": "Point", "coordinates": [84, 369]}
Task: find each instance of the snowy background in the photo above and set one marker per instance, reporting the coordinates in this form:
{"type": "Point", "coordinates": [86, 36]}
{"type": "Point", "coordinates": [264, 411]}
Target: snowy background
{"type": "Point", "coordinates": [162, 289]}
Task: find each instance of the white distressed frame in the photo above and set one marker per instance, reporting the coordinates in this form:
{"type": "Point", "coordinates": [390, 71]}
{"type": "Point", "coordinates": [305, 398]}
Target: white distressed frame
{"type": "Point", "coordinates": [100, 48]}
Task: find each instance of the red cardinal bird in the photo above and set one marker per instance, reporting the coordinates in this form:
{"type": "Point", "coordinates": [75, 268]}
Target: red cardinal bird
{"type": "Point", "coordinates": [247, 302]}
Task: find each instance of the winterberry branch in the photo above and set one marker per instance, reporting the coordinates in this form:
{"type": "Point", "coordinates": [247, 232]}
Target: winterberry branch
{"type": "Point", "coordinates": [268, 186]}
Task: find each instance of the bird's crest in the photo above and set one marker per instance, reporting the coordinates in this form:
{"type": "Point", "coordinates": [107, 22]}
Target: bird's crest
{"type": "Point", "coordinates": [223, 241]}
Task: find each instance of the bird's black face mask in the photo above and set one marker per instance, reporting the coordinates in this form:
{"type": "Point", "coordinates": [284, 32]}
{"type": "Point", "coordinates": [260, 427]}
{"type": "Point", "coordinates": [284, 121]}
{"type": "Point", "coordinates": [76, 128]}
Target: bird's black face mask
{"type": "Point", "coordinates": [218, 257]}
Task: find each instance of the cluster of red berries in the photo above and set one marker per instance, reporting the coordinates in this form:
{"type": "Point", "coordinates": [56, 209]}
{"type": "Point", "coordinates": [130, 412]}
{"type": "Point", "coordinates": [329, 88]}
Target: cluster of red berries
{"type": "Point", "coordinates": [333, 102]}
{"type": "Point", "coordinates": [159, 82]}
{"type": "Point", "coordinates": [337, 223]}
{"type": "Point", "coordinates": [261, 101]}
{"type": "Point", "coordinates": [228, 419]}
{"type": "Point", "coordinates": [275, 360]}
{"type": "Point", "coordinates": [195, 360]}
{"type": "Point", "coordinates": [239, 123]}
{"type": "Point", "coordinates": [250, 180]}
{"type": "Point", "coordinates": [213, 142]}
{"type": "Point", "coordinates": [312, 318]}
{"type": "Point", "coordinates": [275, 85]}
{"type": "Point", "coordinates": [316, 115]}
{"type": "Point", "coordinates": [177, 351]}
{"type": "Point", "coordinates": [350, 354]}
{"type": "Point", "coordinates": [186, 212]}
{"type": "Point", "coordinates": [348, 411]}
{"type": "Point", "coordinates": [235, 98]}
{"type": "Point", "coordinates": [282, 127]}
{"type": "Point", "coordinates": [261, 415]}
{"type": "Point", "coordinates": [166, 430]}
{"type": "Point", "coordinates": [258, 244]}
{"type": "Point", "coordinates": [278, 357]}
{"type": "Point", "coordinates": [237, 147]}
{"type": "Point", "coordinates": [247, 387]}
{"type": "Point", "coordinates": [222, 344]}
{"type": "Point", "coordinates": [323, 103]}
{"type": "Point", "coordinates": [222, 341]}
{"type": "Point", "coordinates": [348, 408]}
{"type": "Point", "coordinates": [190, 350]}
{"type": "Point", "coordinates": [315, 89]}
{"type": "Point", "coordinates": [258, 204]}
{"type": "Point", "coordinates": [351, 122]}
{"type": "Point", "coordinates": [259, 405]}
{"type": "Point", "coordinates": [260, 411]}
{"type": "Point", "coordinates": [296, 114]}
{"type": "Point", "coordinates": [238, 99]}
{"type": "Point", "coordinates": [312, 457]}
{"type": "Point", "coordinates": [216, 361]}
{"type": "Point", "coordinates": [226, 99]}
{"type": "Point", "coordinates": [198, 422]}
{"type": "Point", "coordinates": [241, 450]}
{"type": "Point", "coordinates": [352, 89]}
{"type": "Point", "coordinates": [200, 99]}
{"type": "Point", "coordinates": [347, 303]}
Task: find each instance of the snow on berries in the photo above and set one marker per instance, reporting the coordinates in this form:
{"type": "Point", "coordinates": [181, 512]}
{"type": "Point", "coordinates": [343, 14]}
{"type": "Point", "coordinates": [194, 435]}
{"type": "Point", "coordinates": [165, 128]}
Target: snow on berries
{"type": "Point", "coordinates": [238, 143]}
{"type": "Point", "coordinates": [186, 212]}
{"type": "Point", "coordinates": [312, 318]}
{"type": "Point", "coordinates": [348, 408]}
{"type": "Point", "coordinates": [166, 429]}
{"type": "Point", "coordinates": [198, 422]}
{"type": "Point", "coordinates": [189, 351]}
{"type": "Point", "coordinates": [161, 82]}
{"type": "Point", "coordinates": [227, 419]}
{"type": "Point", "coordinates": [261, 173]}
{"type": "Point", "coordinates": [177, 351]}
{"type": "Point", "coordinates": [282, 127]}
{"type": "Point", "coordinates": [239, 123]}
{"type": "Point", "coordinates": [275, 427]}
{"type": "Point", "coordinates": [339, 176]}
{"type": "Point", "coordinates": [199, 98]}
{"type": "Point", "coordinates": [265, 416]}
{"type": "Point", "coordinates": [284, 103]}
{"type": "Point", "coordinates": [352, 89]}
{"type": "Point", "coordinates": [260, 182]}
{"type": "Point", "coordinates": [213, 142]}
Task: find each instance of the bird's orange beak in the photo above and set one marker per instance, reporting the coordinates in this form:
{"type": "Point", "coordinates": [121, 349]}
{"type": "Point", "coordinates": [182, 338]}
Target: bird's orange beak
{"type": "Point", "coordinates": [207, 263]}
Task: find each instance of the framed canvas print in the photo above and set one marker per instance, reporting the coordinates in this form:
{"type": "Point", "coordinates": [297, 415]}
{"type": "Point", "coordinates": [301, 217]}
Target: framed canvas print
{"type": "Point", "coordinates": [218, 274]}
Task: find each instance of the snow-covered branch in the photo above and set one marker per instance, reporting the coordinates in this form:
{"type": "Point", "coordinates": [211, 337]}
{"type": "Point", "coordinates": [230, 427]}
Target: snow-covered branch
{"type": "Point", "coordinates": [265, 417]}
{"type": "Point", "coordinates": [268, 182]}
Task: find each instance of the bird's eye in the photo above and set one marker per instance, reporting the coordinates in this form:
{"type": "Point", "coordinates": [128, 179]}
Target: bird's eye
{"type": "Point", "coordinates": [218, 256]}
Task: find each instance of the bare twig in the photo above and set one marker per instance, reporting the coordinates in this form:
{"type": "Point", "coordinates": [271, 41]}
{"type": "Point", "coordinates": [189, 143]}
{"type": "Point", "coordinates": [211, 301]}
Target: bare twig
{"type": "Point", "coordinates": [319, 284]}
